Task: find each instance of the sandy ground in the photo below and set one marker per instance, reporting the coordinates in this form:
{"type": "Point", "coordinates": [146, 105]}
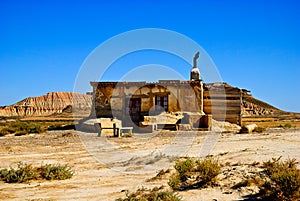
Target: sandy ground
{"type": "Point", "coordinates": [105, 166]}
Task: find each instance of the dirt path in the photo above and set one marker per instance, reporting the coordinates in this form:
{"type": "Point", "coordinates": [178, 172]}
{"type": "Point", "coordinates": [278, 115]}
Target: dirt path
{"type": "Point", "coordinates": [127, 163]}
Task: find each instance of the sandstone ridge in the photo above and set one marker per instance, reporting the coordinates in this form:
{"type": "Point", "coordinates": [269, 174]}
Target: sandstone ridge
{"type": "Point", "coordinates": [49, 104]}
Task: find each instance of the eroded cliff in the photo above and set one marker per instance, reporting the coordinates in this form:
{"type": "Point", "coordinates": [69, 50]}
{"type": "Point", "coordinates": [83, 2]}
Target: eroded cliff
{"type": "Point", "coordinates": [51, 103]}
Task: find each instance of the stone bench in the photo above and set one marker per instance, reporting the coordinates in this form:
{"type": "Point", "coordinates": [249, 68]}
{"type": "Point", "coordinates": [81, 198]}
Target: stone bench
{"type": "Point", "coordinates": [117, 131]}
{"type": "Point", "coordinates": [115, 128]}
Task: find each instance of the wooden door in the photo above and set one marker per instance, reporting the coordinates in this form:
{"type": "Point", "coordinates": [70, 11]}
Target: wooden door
{"type": "Point", "coordinates": [134, 107]}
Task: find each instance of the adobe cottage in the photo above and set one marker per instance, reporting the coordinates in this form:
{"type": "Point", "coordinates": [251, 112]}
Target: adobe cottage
{"type": "Point", "coordinates": [188, 101]}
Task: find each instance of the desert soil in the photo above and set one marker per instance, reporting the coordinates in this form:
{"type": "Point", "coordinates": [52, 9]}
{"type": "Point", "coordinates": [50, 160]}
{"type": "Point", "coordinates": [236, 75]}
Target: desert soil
{"type": "Point", "coordinates": [105, 167]}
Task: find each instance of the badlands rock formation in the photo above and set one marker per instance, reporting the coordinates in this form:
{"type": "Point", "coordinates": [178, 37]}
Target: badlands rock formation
{"type": "Point", "coordinates": [51, 103]}
{"type": "Point", "coordinates": [254, 107]}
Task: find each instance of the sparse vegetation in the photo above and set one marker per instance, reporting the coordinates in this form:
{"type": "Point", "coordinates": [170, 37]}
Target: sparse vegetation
{"type": "Point", "coordinates": [208, 169]}
{"type": "Point", "coordinates": [185, 168]}
{"type": "Point", "coordinates": [155, 194]}
{"type": "Point", "coordinates": [240, 179]}
{"type": "Point", "coordinates": [281, 180]}
{"type": "Point", "coordinates": [285, 126]}
{"type": "Point", "coordinates": [21, 128]}
{"type": "Point", "coordinates": [26, 172]}
{"type": "Point", "coordinates": [175, 182]}
{"type": "Point", "coordinates": [6, 131]}
{"type": "Point", "coordinates": [284, 183]}
{"type": "Point", "coordinates": [18, 127]}
{"type": "Point", "coordinates": [194, 174]}
{"type": "Point", "coordinates": [55, 172]}
{"type": "Point", "coordinates": [23, 173]}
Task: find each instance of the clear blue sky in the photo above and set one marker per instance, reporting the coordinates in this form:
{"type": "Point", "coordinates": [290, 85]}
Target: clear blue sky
{"type": "Point", "coordinates": [254, 44]}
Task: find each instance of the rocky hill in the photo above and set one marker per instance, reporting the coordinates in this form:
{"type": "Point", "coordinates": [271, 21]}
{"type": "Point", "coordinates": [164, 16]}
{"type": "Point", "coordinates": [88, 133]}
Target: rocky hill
{"type": "Point", "coordinates": [254, 107]}
{"type": "Point", "coordinates": [49, 104]}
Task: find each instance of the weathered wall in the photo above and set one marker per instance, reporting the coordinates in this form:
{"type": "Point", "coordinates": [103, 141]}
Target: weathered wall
{"type": "Point", "coordinates": [229, 103]}
{"type": "Point", "coordinates": [111, 98]}
{"type": "Point", "coordinates": [220, 100]}
{"type": "Point", "coordinates": [223, 102]}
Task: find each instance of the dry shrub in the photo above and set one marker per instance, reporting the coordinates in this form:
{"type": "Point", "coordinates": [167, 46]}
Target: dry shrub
{"type": "Point", "coordinates": [185, 168]}
{"type": "Point", "coordinates": [175, 182]}
{"type": "Point", "coordinates": [155, 194]}
{"type": "Point", "coordinates": [284, 181]}
{"type": "Point", "coordinates": [26, 172]}
{"type": "Point", "coordinates": [184, 171]}
{"type": "Point", "coordinates": [208, 169]}
{"type": "Point", "coordinates": [55, 172]}
{"type": "Point", "coordinates": [194, 174]}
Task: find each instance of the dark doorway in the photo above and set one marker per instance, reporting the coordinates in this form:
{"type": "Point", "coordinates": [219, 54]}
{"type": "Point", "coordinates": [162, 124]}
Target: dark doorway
{"type": "Point", "coordinates": [134, 107]}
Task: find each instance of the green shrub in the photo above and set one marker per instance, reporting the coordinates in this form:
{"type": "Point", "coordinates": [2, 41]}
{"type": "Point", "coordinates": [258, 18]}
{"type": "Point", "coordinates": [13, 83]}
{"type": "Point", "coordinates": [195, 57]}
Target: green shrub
{"type": "Point", "coordinates": [287, 182]}
{"type": "Point", "coordinates": [3, 173]}
{"type": "Point", "coordinates": [285, 126]}
{"type": "Point", "coordinates": [6, 131]}
{"type": "Point", "coordinates": [21, 128]}
{"type": "Point", "coordinates": [208, 169]}
{"type": "Point", "coordinates": [26, 127]}
{"type": "Point", "coordinates": [191, 174]}
{"type": "Point", "coordinates": [175, 181]}
{"type": "Point", "coordinates": [55, 172]}
{"type": "Point", "coordinates": [284, 181]}
{"type": "Point", "coordinates": [35, 128]}
{"type": "Point", "coordinates": [25, 172]}
{"type": "Point", "coordinates": [271, 165]}
{"type": "Point", "coordinates": [185, 168]}
{"type": "Point", "coordinates": [155, 194]}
